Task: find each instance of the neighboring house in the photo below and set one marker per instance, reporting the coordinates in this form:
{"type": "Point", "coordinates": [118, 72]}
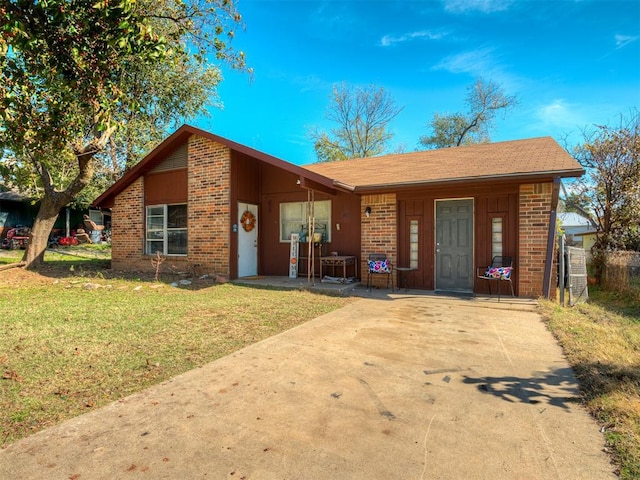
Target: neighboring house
{"type": "Point", "coordinates": [574, 226]}
{"type": "Point", "coordinates": [444, 212]}
{"type": "Point", "coordinates": [587, 240]}
{"type": "Point", "coordinates": [15, 210]}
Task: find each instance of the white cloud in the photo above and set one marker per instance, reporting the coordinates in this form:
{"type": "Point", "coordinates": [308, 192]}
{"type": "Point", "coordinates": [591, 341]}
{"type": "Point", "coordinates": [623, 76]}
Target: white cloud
{"type": "Point", "coordinates": [389, 40]}
{"type": "Point", "coordinates": [560, 116]}
{"type": "Point", "coordinates": [624, 40]}
{"type": "Point", "coordinates": [476, 62]}
{"type": "Point", "coordinates": [484, 6]}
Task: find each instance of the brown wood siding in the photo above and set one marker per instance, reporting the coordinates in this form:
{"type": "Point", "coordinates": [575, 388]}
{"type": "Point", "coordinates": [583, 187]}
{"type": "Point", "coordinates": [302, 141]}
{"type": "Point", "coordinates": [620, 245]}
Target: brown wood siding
{"type": "Point", "coordinates": [166, 187]}
{"type": "Point", "coordinates": [245, 187]}
{"type": "Point", "coordinates": [488, 201]}
{"type": "Point", "coordinates": [345, 210]}
{"type": "Point", "coordinates": [504, 206]}
{"type": "Point", "coordinates": [246, 178]}
{"type": "Point", "coordinates": [278, 187]}
{"type": "Point", "coordinates": [420, 209]}
{"type": "Point", "coordinates": [268, 186]}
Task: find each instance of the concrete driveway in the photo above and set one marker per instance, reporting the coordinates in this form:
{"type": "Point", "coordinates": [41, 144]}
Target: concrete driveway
{"type": "Point", "coordinates": [417, 387]}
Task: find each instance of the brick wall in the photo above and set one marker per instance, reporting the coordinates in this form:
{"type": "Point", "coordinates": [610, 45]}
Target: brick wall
{"type": "Point", "coordinates": [379, 232]}
{"type": "Point", "coordinates": [534, 209]}
{"type": "Point", "coordinates": [209, 184]}
{"type": "Point", "coordinates": [127, 229]}
{"type": "Point", "coordinates": [209, 193]}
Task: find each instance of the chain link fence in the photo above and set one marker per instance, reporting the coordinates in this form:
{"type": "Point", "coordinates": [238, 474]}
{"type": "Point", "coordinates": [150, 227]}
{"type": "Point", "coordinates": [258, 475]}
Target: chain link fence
{"type": "Point", "coordinates": [572, 273]}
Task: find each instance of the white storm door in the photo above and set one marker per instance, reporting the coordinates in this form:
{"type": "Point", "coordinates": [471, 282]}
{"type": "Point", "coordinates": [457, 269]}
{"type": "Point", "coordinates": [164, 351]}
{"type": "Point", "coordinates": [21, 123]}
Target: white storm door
{"type": "Point", "coordinates": [247, 240]}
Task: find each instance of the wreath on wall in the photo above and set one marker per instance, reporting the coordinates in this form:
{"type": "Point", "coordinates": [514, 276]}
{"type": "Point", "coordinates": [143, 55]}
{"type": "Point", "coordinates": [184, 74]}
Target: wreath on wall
{"type": "Point", "coordinates": [248, 221]}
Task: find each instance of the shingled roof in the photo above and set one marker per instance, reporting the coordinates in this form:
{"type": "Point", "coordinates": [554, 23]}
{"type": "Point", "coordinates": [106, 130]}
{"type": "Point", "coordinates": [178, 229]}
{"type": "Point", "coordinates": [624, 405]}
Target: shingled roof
{"type": "Point", "coordinates": [518, 159]}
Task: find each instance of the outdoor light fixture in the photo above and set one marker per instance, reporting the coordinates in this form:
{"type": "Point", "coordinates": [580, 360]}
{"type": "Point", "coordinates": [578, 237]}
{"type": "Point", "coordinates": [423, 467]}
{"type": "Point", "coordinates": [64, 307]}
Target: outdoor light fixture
{"type": "Point", "coordinates": [367, 211]}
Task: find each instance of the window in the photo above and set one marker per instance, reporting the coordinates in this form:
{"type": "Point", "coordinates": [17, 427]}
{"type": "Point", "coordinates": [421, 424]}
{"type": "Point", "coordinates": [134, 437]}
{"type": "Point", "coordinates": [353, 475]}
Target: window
{"type": "Point", "coordinates": [413, 243]}
{"type": "Point", "coordinates": [293, 219]}
{"type": "Point", "coordinates": [166, 230]}
{"type": "Point", "coordinates": [496, 236]}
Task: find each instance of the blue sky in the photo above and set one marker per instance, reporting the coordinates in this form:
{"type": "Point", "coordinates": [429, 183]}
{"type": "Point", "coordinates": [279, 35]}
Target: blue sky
{"type": "Point", "coordinates": [572, 64]}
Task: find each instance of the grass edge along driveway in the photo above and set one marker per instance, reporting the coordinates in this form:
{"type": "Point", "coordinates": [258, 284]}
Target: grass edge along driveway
{"type": "Point", "coordinates": [601, 340]}
{"type": "Point", "coordinates": [73, 343]}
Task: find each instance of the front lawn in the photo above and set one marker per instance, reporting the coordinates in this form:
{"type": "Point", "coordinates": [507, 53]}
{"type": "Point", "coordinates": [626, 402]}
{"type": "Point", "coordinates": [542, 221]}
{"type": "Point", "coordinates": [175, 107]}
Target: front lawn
{"type": "Point", "coordinates": [73, 339]}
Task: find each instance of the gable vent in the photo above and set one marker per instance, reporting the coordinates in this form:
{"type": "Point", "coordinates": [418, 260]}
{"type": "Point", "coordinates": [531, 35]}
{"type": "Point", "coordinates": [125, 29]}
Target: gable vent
{"type": "Point", "coordinates": [177, 159]}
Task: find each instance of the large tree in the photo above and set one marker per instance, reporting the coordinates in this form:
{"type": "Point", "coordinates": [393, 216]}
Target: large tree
{"type": "Point", "coordinates": [611, 186]}
{"type": "Point", "coordinates": [485, 100]}
{"type": "Point", "coordinates": [361, 115]}
{"type": "Point", "coordinates": [77, 77]}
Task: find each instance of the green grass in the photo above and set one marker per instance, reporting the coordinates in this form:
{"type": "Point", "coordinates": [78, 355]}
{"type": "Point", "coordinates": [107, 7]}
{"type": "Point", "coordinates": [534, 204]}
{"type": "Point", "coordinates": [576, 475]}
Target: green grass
{"type": "Point", "coordinates": [72, 339]}
{"type": "Point", "coordinates": [601, 340]}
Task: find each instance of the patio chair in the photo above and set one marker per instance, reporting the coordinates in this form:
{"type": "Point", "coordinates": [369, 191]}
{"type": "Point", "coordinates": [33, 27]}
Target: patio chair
{"type": "Point", "coordinates": [379, 265]}
{"type": "Point", "coordinates": [500, 270]}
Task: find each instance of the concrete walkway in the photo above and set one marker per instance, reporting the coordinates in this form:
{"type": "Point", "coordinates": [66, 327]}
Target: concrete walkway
{"type": "Point", "coordinates": [414, 387]}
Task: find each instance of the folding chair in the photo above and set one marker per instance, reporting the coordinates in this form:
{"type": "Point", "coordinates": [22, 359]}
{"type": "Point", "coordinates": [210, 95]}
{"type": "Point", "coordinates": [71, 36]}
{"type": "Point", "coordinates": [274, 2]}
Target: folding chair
{"type": "Point", "coordinates": [500, 270]}
{"type": "Point", "coordinates": [379, 265]}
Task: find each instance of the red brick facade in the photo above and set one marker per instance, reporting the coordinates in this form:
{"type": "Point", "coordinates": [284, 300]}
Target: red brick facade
{"type": "Point", "coordinates": [379, 231]}
{"type": "Point", "coordinates": [127, 229]}
{"type": "Point", "coordinates": [209, 205]}
{"type": "Point", "coordinates": [534, 212]}
{"type": "Point", "coordinates": [209, 194]}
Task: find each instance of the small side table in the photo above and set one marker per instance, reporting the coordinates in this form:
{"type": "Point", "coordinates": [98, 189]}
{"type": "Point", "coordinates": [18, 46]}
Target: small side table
{"type": "Point", "coordinates": [402, 271]}
{"type": "Point", "coordinates": [339, 261]}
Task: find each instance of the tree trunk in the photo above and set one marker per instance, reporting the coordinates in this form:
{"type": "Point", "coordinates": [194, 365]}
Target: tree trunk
{"type": "Point", "coordinates": [55, 200]}
{"type": "Point", "coordinates": [42, 226]}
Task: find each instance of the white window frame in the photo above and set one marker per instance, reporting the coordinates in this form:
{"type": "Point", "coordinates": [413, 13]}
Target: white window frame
{"type": "Point", "coordinates": [300, 220]}
{"type": "Point", "coordinates": [162, 233]}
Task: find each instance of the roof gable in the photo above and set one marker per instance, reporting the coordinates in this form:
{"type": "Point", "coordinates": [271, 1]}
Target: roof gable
{"type": "Point", "coordinates": [180, 137]}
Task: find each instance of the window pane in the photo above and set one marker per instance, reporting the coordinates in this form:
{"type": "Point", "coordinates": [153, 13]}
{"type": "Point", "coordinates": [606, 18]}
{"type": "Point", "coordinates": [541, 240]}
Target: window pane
{"type": "Point", "coordinates": [157, 210]}
{"type": "Point", "coordinates": [322, 214]}
{"type": "Point", "coordinates": [293, 215]}
{"type": "Point", "coordinates": [153, 247]}
{"type": "Point", "coordinates": [322, 210]}
{"type": "Point", "coordinates": [177, 242]}
{"type": "Point", "coordinates": [292, 212]}
{"type": "Point", "coordinates": [496, 236]}
{"type": "Point", "coordinates": [288, 228]}
{"type": "Point", "coordinates": [177, 216]}
{"type": "Point", "coordinates": [155, 235]}
{"type": "Point", "coordinates": [413, 243]}
{"type": "Point", "coordinates": [155, 223]}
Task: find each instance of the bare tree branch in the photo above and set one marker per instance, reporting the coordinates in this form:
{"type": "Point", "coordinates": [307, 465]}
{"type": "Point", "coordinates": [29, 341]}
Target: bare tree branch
{"type": "Point", "coordinates": [362, 116]}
